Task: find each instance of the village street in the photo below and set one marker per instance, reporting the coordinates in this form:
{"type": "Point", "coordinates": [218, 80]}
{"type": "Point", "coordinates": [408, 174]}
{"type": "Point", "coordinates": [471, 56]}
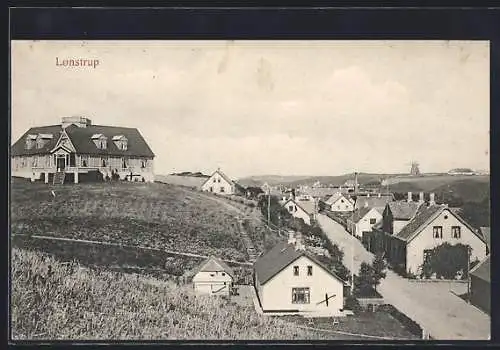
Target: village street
{"type": "Point", "coordinates": [431, 304]}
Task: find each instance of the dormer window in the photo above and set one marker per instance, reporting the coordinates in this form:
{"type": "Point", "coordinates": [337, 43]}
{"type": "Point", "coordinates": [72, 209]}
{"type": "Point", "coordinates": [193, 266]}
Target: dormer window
{"type": "Point", "coordinates": [30, 141]}
{"type": "Point", "coordinates": [121, 142]}
{"type": "Point", "coordinates": [100, 141]}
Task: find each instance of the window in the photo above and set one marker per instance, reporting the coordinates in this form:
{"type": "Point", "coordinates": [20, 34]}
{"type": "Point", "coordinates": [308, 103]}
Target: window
{"type": "Point", "coordinates": [215, 180]}
{"type": "Point", "coordinates": [341, 201]}
{"type": "Point", "coordinates": [212, 274]}
{"type": "Point", "coordinates": [309, 270]}
{"type": "Point", "coordinates": [437, 231]}
{"type": "Point", "coordinates": [218, 180]}
{"type": "Point", "coordinates": [211, 189]}
{"type": "Point", "coordinates": [84, 161]}
{"type": "Point", "coordinates": [29, 144]}
{"type": "Point", "coordinates": [124, 163]}
{"type": "Point", "coordinates": [40, 143]}
{"type": "Point", "coordinates": [143, 164]}
{"type": "Point", "coordinates": [300, 295]}
{"type": "Point", "coordinates": [290, 208]}
{"type": "Point", "coordinates": [373, 221]}
{"type": "Point", "coordinates": [295, 270]}
{"type": "Point", "coordinates": [103, 162]}
{"type": "Point", "coordinates": [427, 254]}
{"type": "Point", "coordinates": [455, 231]}
{"type": "Point", "coordinates": [223, 274]}
{"type": "Point", "coordinates": [222, 189]}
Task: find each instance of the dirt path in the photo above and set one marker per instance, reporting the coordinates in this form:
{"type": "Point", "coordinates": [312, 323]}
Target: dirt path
{"type": "Point", "coordinates": [432, 305]}
{"type": "Point", "coordinates": [130, 246]}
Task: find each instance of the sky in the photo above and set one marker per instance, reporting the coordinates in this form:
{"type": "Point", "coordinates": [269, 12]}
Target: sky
{"type": "Point", "coordinates": [269, 107]}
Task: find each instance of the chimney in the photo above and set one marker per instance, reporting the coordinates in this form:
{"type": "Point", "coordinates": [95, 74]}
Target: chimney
{"type": "Point", "coordinates": [409, 197]}
{"type": "Point", "coordinates": [379, 195]}
{"type": "Point", "coordinates": [421, 197]}
{"type": "Point", "coordinates": [368, 195]}
{"type": "Point", "coordinates": [291, 237]}
{"type": "Point", "coordinates": [366, 204]}
{"type": "Point", "coordinates": [355, 182]}
{"type": "Point", "coordinates": [431, 199]}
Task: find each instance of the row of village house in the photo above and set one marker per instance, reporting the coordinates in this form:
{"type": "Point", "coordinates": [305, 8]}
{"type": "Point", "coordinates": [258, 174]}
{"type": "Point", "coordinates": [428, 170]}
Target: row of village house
{"type": "Point", "coordinates": [405, 230]}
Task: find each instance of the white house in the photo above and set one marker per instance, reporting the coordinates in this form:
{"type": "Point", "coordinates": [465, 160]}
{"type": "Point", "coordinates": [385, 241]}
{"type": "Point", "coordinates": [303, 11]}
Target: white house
{"type": "Point", "coordinates": [305, 210]}
{"type": "Point", "coordinates": [213, 277]}
{"type": "Point", "coordinates": [76, 150]}
{"type": "Point", "coordinates": [363, 220]}
{"type": "Point", "coordinates": [288, 279]}
{"type": "Point", "coordinates": [219, 183]}
{"type": "Point", "coordinates": [338, 202]}
{"type": "Point", "coordinates": [431, 226]}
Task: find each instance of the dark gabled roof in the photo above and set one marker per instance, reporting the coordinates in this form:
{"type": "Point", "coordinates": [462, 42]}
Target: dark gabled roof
{"type": "Point", "coordinates": [403, 210]}
{"type": "Point", "coordinates": [278, 258]}
{"type": "Point", "coordinates": [359, 214]}
{"type": "Point", "coordinates": [18, 149]}
{"type": "Point", "coordinates": [486, 233]}
{"type": "Point", "coordinates": [482, 270]}
{"type": "Point", "coordinates": [81, 139]}
{"type": "Point", "coordinates": [213, 264]}
{"type": "Point", "coordinates": [423, 215]}
{"type": "Point", "coordinates": [373, 201]}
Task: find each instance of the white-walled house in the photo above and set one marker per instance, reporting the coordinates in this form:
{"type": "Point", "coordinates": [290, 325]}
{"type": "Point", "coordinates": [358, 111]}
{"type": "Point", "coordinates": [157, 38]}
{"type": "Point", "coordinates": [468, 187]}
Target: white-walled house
{"type": "Point", "coordinates": [339, 202]}
{"type": "Point", "coordinates": [363, 220]}
{"type": "Point", "coordinates": [213, 277]}
{"type": "Point", "coordinates": [288, 279]}
{"type": "Point", "coordinates": [304, 210]}
{"type": "Point", "coordinates": [219, 183]}
{"type": "Point", "coordinates": [76, 148]}
{"type": "Point", "coordinates": [431, 226]}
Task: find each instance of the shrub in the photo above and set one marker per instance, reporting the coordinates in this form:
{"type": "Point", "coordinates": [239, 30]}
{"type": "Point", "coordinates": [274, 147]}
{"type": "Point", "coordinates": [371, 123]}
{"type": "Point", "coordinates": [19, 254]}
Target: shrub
{"type": "Point", "coordinates": [446, 261]}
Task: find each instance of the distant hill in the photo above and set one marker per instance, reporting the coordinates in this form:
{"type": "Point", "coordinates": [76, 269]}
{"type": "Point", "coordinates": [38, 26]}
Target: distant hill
{"type": "Point", "coordinates": [295, 180]}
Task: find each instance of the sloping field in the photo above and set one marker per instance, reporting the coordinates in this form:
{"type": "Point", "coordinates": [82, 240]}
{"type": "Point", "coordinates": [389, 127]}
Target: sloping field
{"type": "Point", "coordinates": [431, 183]}
{"type": "Point", "coordinates": [178, 180]}
{"type": "Point", "coordinates": [137, 214]}
{"type": "Point", "coordinates": [51, 300]}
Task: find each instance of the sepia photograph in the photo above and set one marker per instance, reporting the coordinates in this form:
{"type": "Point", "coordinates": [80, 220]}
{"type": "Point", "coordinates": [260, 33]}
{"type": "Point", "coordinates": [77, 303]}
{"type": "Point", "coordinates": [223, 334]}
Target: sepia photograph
{"type": "Point", "coordinates": [250, 190]}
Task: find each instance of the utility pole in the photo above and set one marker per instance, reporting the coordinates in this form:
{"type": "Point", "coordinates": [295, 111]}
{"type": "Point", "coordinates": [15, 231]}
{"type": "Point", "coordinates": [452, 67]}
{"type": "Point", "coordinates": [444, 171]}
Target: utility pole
{"type": "Point", "coordinates": [269, 207]}
{"type": "Point", "coordinates": [352, 266]}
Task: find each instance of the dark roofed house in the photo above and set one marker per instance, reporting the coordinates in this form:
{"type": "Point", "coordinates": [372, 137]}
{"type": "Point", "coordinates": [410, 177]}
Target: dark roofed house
{"type": "Point", "coordinates": [77, 147]}
{"type": "Point", "coordinates": [288, 279]}
{"type": "Point", "coordinates": [481, 285]}
{"type": "Point", "coordinates": [430, 226]}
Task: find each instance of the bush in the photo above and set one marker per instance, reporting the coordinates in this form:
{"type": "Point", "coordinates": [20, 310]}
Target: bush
{"type": "Point", "coordinates": [446, 261]}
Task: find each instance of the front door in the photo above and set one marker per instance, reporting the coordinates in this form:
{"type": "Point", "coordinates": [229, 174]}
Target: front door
{"type": "Point", "coordinates": [60, 163]}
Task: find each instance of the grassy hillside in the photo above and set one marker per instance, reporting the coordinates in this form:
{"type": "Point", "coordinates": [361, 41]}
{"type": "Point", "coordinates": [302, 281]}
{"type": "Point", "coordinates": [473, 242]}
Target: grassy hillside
{"type": "Point", "coordinates": [151, 215]}
{"type": "Point", "coordinates": [51, 300]}
{"type": "Point", "coordinates": [437, 183]}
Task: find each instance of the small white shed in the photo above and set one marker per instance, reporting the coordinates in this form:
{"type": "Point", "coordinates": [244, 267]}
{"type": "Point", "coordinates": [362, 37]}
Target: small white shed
{"type": "Point", "coordinates": [213, 277]}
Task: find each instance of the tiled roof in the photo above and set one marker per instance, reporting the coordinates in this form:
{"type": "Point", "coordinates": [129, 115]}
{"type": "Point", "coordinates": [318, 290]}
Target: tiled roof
{"type": "Point", "coordinates": [319, 192]}
{"type": "Point", "coordinates": [482, 270]}
{"type": "Point", "coordinates": [359, 214]}
{"type": "Point", "coordinates": [81, 138]}
{"type": "Point", "coordinates": [403, 210]}
{"type": "Point", "coordinates": [308, 206]}
{"type": "Point", "coordinates": [18, 149]}
{"type": "Point", "coordinates": [486, 233]}
{"type": "Point", "coordinates": [213, 264]}
{"type": "Point", "coordinates": [423, 215]}
{"type": "Point", "coordinates": [279, 257]}
{"type": "Point", "coordinates": [373, 201]}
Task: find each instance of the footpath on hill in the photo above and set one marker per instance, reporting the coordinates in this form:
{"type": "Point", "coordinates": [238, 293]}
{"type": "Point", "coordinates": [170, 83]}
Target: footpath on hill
{"type": "Point", "coordinates": [432, 305]}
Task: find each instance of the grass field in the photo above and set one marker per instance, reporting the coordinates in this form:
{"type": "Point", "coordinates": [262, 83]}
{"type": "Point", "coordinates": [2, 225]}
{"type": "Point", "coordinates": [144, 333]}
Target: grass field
{"type": "Point", "coordinates": [152, 215]}
{"type": "Point", "coordinates": [53, 300]}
